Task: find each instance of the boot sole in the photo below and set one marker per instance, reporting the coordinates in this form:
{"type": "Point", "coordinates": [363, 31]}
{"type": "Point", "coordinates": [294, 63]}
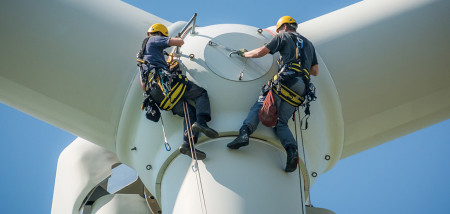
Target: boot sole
{"type": "Point", "coordinates": [187, 151]}
{"type": "Point", "coordinates": [207, 131]}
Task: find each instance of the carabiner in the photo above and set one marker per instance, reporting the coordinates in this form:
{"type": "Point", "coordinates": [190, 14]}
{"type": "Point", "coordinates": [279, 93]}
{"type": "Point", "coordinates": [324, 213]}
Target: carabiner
{"type": "Point", "coordinates": [167, 145]}
{"type": "Point", "coordinates": [195, 167]}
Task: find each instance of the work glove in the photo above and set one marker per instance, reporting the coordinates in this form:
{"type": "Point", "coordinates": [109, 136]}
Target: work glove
{"type": "Point", "coordinates": [241, 52]}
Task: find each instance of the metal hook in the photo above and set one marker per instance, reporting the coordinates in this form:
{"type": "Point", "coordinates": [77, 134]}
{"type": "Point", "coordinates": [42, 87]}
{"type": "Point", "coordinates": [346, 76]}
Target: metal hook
{"type": "Point", "coordinates": [195, 167]}
{"type": "Point", "coordinates": [167, 145]}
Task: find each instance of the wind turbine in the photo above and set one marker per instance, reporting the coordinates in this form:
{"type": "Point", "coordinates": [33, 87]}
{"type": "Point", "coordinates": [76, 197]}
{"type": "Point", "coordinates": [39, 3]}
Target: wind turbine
{"type": "Point", "coordinates": [76, 86]}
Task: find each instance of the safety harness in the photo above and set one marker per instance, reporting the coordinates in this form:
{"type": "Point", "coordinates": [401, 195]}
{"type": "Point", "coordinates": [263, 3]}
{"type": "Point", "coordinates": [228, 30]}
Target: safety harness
{"type": "Point", "coordinates": [172, 83]}
{"type": "Point", "coordinates": [140, 55]}
{"type": "Point", "coordinates": [285, 92]}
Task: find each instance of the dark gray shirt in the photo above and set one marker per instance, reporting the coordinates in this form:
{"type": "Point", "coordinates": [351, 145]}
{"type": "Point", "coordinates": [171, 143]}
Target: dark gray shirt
{"type": "Point", "coordinates": [285, 43]}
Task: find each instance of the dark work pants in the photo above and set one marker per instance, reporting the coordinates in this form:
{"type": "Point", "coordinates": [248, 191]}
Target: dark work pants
{"type": "Point", "coordinates": [197, 101]}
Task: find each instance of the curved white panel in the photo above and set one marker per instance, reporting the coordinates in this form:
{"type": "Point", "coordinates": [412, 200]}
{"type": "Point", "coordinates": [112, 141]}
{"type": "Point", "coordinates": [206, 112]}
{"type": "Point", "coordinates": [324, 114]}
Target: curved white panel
{"type": "Point", "coordinates": [120, 204]}
{"type": "Point", "coordinates": [70, 62]}
{"type": "Point", "coordinates": [390, 62]}
{"type": "Point", "coordinates": [81, 167]}
{"type": "Point", "coordinates": [248, 180]}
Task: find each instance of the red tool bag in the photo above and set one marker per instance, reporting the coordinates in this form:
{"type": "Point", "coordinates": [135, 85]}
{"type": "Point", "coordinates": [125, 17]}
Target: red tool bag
{"type": "Point", "coordinates": [268, 114]}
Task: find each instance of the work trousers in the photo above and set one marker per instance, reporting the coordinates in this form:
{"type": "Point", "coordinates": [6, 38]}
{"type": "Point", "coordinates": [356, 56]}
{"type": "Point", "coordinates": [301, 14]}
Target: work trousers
{"type": "Point", "coordinates": [197, 101]}
{"type": "Point", "coordinates": [285, 112]}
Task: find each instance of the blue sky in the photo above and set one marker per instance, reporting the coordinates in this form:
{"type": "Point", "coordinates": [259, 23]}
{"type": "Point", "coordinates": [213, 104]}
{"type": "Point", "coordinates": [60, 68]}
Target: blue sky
{"type": "Point", "coordinates": [407, 175]}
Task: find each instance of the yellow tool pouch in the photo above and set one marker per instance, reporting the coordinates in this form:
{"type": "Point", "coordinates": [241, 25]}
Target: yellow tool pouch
{"type": "Point", "coordinates": [287, 94]}
{"type": "Point", "coordinates": [175, 93]}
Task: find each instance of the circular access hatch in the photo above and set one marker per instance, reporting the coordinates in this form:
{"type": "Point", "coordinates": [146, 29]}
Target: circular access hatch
{"type": "Point", "coordinates": [234, 67]}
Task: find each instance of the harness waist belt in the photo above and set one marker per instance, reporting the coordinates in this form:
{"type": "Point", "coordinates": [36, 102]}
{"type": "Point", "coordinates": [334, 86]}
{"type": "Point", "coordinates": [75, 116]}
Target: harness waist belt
{"type": "Point", "coordinates": [303, 72]}
{"type": "Point", "coordinates": [287, 94]}
{"type": "Point", "coordinates": [175, 93]}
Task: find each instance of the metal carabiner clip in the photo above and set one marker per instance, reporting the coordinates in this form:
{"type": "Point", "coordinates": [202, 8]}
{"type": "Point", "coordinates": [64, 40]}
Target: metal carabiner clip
{"type": "Point", "coordinates": [167, 145]}
{"type": "Point", "coordinates": [195, 167]}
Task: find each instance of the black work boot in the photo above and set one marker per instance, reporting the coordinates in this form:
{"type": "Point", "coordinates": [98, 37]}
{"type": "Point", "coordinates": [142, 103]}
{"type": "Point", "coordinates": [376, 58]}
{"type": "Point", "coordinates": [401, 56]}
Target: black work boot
{"type": "Point", "coordinates": [241, 140]}
{"type": "Point", "coordinates": [186, 150]}
{"type": "Point", "coordinates": [292, 158]}
{"type": "Point", "coordinates": [202, 127]}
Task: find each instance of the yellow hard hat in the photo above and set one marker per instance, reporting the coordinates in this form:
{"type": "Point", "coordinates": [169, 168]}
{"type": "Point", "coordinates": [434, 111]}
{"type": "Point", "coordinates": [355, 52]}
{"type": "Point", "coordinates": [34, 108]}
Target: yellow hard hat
{"type": "Point", "coordinates": [284, 20]}
{"type": "Point", "coordinates": [158, 27]}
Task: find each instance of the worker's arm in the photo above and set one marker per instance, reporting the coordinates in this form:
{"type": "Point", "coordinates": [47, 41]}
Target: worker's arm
{"type": "Point", "coordinates": [257, 53]}
{"type": "Point", "coordinates": [176, 42]}
{"type": "Point", "coordinates": [314, 70]}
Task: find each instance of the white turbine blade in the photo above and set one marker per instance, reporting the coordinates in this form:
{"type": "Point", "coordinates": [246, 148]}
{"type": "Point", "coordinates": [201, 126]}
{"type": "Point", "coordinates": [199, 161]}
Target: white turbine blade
{"type": "Point", "coordinates": [390, 62]}
{"type": "Point", "coordinates": [70, 63]}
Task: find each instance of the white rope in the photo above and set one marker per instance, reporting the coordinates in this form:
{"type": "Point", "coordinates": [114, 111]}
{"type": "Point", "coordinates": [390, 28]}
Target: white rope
{"type": "Point", "coordinates": [194, 157]}
{"type": "Point", "coordinates": [303, 147]}
{"type": "Point", "coordinates": [298, 160]}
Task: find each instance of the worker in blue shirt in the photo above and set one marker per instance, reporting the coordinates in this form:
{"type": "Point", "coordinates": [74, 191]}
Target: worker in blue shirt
{"type": "Point", "coordinates": [169, 90]}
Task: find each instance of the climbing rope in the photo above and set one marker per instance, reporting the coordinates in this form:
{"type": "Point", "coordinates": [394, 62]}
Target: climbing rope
{"type": "Point", "coordinates": [301, 138]}
{"type": "Point", "coordinates": [194, 157]}
{"type": "Point", "coordinates": [298, 158]}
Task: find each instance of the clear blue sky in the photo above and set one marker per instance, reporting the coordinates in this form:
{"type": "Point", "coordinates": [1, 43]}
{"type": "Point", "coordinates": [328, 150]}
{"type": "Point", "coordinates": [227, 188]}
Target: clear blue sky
{"type": "Point", "coordinates": [408, 175]}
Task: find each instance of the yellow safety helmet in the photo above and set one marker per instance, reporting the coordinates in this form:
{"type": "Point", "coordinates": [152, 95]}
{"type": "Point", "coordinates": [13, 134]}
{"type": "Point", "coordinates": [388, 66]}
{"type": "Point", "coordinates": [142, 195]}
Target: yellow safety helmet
{"type": "Point", "coordinates": [284, 20]}
{"type": "Point", "coordinates": [158, 27]}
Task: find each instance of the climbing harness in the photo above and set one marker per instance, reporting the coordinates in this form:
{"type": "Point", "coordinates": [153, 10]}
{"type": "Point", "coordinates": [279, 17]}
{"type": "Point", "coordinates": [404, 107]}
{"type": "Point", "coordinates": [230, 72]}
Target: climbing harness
{"type": "Point", "coordinates": [140, 55]}
{"type": "Point", "coordinates": [285, 93]}
{"type": "Point", "coordinates": [166, 144]}
{"type": "Point", "coordinates": [299, 44]}
{"type": "Point", "coordinates": [175, 93]}
{"type": "Point", "coordinates": [195, 167]}
{"type": "Point", "coordinates": [172, 94]}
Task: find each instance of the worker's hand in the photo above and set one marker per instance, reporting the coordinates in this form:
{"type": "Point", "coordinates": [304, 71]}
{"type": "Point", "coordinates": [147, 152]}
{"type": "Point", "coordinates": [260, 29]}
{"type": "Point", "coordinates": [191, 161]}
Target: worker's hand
{"type": "Point", "coordinates": [241, 52]}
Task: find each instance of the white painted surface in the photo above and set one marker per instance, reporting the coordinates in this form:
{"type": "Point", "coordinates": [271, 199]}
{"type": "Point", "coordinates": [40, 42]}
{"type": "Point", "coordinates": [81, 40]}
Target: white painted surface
{"type": "Point", "coordinates": [248, 180]}
{"type": "Point", "coordinates": [230, 102]}
{"type": "Point", "coordinates": [390, 61]}
{"type": "Point", "coordinates": [373, 51]}
{"type": "Point", "coordinates": [120, 204]}
{"type": "Point", "coordinates": [215, 55]}
{"type": "Point", "coordinates": [70, 62]}
{"type": "Point", "coordinates": [81, 167]}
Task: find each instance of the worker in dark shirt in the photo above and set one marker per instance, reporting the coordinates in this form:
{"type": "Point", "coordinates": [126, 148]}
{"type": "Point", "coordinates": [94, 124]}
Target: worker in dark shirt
{"type": "Point", "coordinates": [169, 90]}
{"type": "Point", "coordinates": [298, 60]}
